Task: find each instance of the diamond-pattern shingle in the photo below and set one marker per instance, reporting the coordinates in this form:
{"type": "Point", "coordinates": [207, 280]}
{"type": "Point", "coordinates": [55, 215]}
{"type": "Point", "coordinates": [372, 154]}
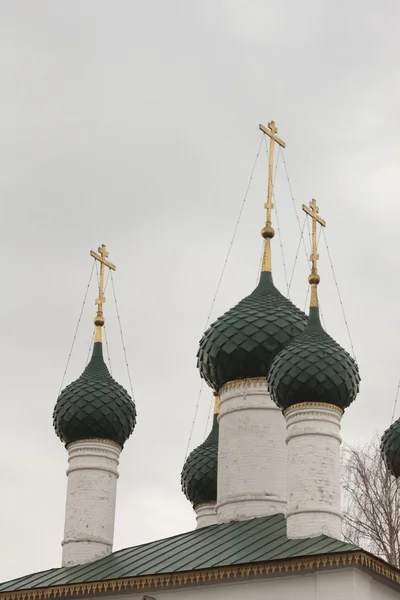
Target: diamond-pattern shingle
{"type": "Point", "coordinates": [313, 368]}
{"type": "Point", "coordinates": [390, 448]}
{"type": "Point", "coordinates": [199, 473]}
{"type": "Point", "coordinates": [243, 342]}
{"type": "Point", "coordinates": [94, 406]}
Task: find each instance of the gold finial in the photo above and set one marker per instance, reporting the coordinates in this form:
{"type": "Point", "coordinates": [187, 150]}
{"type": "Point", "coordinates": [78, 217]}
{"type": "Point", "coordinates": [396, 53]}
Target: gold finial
{"type": "Point", "coordinates": [268, 231]}
{"type": "Point", "coordinates": [216, 404]}
{"type": "Point", "coordinates": [314, 277]}
{"type": "Point", "coordinates": [99, 319]}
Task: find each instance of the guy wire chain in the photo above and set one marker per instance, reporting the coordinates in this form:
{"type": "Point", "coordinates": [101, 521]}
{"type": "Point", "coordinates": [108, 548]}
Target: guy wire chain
{"type": "Point", "coordinates": [105, 331]}
{"type": "Point", "coordinates": [76, 329]}
{"type": "Point", "coordinates": [294, 204]}
{"type": "Point", "coordinates": [340, 298]}
{"type": "Point", "coordinates": [90, 347]}
{"type": "Point", "coordinates": [297, 254]}
{"type": "Point", "coordinates": [218, 287]}
{"type": "Point", "coordinates": [301, 237]}
{"type": "Point", "coordinates": [122, 336]}
{"type": "Point", "coordinates": [395, 403]}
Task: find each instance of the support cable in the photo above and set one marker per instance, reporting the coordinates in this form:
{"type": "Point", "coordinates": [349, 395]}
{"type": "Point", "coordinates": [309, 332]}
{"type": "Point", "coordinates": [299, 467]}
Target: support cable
{"type": "Point", "coordinates": [122, 335]}
{"type": "Point", "coordinates": [76, 329]}
{"type": "Point", "coordinates": [277, 217]}
{"type": "Point", "coordinates": [294, 205]}
{"type": "Point", "coordinates": [219, 284]}
{"type": "Point", "coordinates": [395, 403]}
{"type": "Point", "coordinates": [340, 298]}
{"type": "Point", "coordinates": [105, 331]}
{"type": "Point", "coordinates": [297, 254]}
{"type": "Point", "coordinates": [90, 348]}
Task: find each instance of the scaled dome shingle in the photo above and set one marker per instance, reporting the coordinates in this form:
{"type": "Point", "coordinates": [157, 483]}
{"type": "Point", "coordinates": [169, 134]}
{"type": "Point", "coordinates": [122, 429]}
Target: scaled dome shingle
{"type": "Point", "coordinates": [313, 368]}
{"type": "Point", "coordinates": [199, 473]}
{"type": "Point", "coordinates": [94, 406]}
{"type": "Point", "coordinates": [243, 342]}
{"type": "Point", "coordinates": [390, 448]}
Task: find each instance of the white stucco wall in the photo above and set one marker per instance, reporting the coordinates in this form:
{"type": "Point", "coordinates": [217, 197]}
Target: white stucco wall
{"type": "Point", "coordinates": [91, 496]}
{"type": "Point", "coordinates": [206, 514]}
{"type": "Point", "coordinates": [252, 455]}
{"type": "Point", "coordinates": [346, 584]}
{"type": "Point", "coordinates": [313, 439]}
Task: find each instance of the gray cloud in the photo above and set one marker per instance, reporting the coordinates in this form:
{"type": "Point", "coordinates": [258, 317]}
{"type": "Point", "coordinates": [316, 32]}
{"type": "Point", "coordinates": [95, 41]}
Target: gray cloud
{"type": "Point", "coordinates": [135, 124]}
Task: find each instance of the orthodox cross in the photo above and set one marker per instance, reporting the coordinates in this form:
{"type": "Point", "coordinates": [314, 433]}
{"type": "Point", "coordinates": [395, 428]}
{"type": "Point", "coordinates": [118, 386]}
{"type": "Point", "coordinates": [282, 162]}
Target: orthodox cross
{"type": "Point", "coordinates": [268, 231]}
{"type": "Point", "coordinates": [313, 212]}
{"type": "Point", "coordinates": [99, 319]}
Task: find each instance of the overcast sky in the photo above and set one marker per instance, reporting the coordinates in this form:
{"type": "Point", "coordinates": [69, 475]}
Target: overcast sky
{"type": "Point", "coordinates": [135, 124]}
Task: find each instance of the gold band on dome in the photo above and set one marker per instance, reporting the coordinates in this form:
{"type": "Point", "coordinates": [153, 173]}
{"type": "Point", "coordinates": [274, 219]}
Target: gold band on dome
{"type": "Point", "coordinates": [216, 404]}
{"type": "Point", "coordinates": [313, 405]}
{"type": "Point", "coordinates": [247, 382]}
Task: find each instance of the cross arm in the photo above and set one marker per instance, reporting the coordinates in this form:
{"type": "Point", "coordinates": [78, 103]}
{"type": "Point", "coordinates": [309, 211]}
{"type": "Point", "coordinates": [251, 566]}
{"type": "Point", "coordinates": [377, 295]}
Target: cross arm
{"type": "Point", "coordinates": [271, 135]}
{"type": "Point", "coordinates": [102, 260]}
{"type": "Point", "coordinates": [314, 215]}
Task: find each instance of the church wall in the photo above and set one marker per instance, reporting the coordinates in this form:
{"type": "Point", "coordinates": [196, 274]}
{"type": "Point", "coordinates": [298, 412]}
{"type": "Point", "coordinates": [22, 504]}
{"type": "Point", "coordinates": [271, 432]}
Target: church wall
{"type": "Point", "coordinates": [346, 584]}
{"type": "Point", "coordinates": [252, 453]}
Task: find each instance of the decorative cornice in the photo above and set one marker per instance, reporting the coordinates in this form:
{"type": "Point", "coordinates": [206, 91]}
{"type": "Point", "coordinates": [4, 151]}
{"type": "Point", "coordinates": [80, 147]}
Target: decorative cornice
{"type": "Point", "coordinates": [313, 405]}
{"type": "Point", "coordinates": [91, 440]}
{"type": "Point", "coordinates": [243, 383]}
{"type": "Point", "coordinates": [360, 558]}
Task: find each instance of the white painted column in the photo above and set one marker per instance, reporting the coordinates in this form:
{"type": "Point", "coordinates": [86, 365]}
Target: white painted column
{"type": "Point", "coordinates": [206, 514]}
{"type": "Point", "coordinates": [91, 497]}
{"type": "Point", "coordinates": [252, 452]}
{"type": "Point", "coordinates": [313, 439]}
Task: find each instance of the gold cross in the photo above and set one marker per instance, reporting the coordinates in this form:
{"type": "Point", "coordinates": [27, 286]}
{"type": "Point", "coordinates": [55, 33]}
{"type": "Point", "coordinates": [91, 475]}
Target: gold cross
{"type": "Point", "coordinates": [99, 319]}
{"type": "Point", "coordinates": [314, 277]}
{"type": "Point", "coordinates": [268, 231]}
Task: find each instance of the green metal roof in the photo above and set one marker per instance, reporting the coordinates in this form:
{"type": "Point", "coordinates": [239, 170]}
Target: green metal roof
{"type": "Point", "coordinates": [228, 544]}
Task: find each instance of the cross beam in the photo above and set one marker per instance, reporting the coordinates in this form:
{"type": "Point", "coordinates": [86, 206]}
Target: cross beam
{"type": "Point", "coordinates": [314, 277]}
{"type": "Point", "coordinates": [268, 231]}
{"type": "Point", "coordinates": [102, 258]}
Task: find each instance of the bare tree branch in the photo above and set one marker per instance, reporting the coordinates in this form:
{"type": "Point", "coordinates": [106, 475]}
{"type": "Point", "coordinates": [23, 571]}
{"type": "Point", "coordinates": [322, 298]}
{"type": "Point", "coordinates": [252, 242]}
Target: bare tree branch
{"type": "Point", "coordinates": [371, 516]}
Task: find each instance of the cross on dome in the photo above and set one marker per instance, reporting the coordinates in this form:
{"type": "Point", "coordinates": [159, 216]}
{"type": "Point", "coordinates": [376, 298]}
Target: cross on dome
{"type": "Point", "coordinates": [101, 257]}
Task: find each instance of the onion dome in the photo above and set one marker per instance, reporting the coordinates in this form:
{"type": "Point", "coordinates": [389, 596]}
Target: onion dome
{"type": "Point", "coordinates": [199, 473]}
{"type": "Point", "coordinates": [390, 448]}
{"type": "Point", "coordinates": [243, 342]}
{"type": "Point", "coordinates": [94, 406]}
{"type": "Point", "coordinates": [314, 368]}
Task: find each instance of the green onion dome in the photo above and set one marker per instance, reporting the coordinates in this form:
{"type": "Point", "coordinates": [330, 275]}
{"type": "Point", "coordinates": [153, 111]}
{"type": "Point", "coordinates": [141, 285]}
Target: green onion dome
{"type": "Point", "coordinates": [199, 473]}
{"type": "Point", "coordinates": [243, 342]}
{"type": "Point", "coordinates": [314, 368]}
{"type": "Point", "coordinates": [390, 448]}
{"type": "Point", "coordinates": [94, 406]}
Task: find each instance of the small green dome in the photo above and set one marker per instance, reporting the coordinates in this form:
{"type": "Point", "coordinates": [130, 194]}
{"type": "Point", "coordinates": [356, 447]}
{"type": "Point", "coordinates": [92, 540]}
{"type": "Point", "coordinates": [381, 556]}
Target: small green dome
{"type": "Point", "coordinates": [390, 448]}
{"type": "Point", "coordinates": [314, 368]}
{"type": "Point", "coordinates": [94, 406]}
{"type": "Point", "coordinates": [199, 473]}
{"type": "Point", "coordinates": [243, 342]}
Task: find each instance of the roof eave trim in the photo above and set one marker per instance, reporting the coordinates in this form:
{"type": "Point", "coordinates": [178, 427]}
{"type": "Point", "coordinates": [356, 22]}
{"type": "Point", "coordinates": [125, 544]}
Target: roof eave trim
{"type": "Point", "coordinates": [295, 565]}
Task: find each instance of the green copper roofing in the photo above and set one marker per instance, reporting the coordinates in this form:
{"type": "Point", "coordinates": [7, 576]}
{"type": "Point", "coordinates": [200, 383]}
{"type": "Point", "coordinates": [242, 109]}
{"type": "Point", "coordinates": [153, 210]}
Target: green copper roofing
{"type": "Point", "coordinates": [235, 543]}
{"type": "Point", "coordinates": [199, 473]}
{"type": "Point", "coordinates": [314, 368]}
{"type": "Point", "coordinates": [94, 406]}
{"type": "Point", "coordinates": [243, 342]}
{"type": "Point", "coordinates": [390, 448]}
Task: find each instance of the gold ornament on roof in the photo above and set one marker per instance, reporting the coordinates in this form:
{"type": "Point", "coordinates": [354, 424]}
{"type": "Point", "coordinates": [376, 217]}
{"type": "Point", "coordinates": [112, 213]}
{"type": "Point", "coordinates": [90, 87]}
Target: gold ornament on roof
{"type": "Point", "coordinates": [99, 319]}
{"type": "Point", "coordinates": [314, 278]}
{"type": "Point", "coordinates": [268, 231]}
